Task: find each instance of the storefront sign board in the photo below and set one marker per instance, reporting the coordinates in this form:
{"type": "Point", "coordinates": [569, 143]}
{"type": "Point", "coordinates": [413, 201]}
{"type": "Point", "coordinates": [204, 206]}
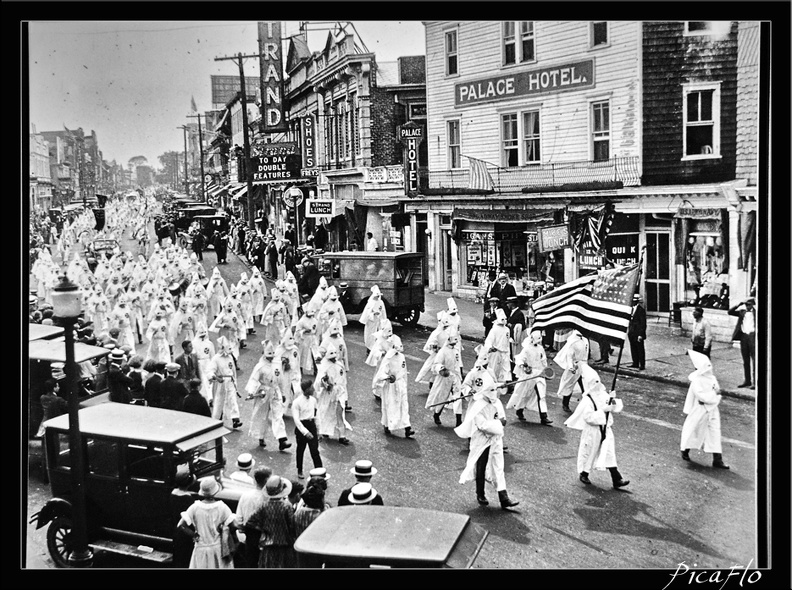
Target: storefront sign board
{"type": "Point", "coordinates": [286, 167]}
{"type": "Point", "coordinates": [554, 237]}
{"type": "Point", "coordinates": [271, 68]}
{"type": "Point", "coordinates": [317, 208]}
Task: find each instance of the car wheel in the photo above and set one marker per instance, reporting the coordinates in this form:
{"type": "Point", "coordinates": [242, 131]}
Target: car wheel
{"type": "Point", "coordinates": [59, 540]}
{"type": "Point", "coordinates": [410, 318]}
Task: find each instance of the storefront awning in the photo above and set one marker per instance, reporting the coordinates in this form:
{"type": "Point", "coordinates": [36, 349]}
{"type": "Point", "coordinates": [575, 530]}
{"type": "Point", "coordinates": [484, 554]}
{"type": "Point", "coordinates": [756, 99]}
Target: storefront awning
{"type": "Point", "coordinates": [217, 190]}
{"type": "Point", "coordinates": [501, 215]}
{"type": "Point", "coordinates": [241, 192]}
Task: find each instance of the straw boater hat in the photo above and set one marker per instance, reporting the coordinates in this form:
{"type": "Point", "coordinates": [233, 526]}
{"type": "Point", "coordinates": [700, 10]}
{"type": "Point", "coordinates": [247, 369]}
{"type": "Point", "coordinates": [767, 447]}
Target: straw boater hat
{"type": "Point", "coordinates": [245, 462]}
{"type": "Point", "coordinates": [172, 368]}
{"type": "Point", "coordinates": [363, 468]}
{"type": "Point", "coordinates": [319, 472]}
{"type": "Point", "coordinates": [362, 493]}
{"type": "Point", "coordinates": [118, 355]}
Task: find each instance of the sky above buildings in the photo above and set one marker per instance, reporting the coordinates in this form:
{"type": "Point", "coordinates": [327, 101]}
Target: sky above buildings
{"type": "Point", "coordinates": [132, 82]}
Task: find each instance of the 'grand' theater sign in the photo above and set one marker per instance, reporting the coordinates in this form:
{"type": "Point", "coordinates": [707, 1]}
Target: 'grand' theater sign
{"type": "Point", "coordinates": [545, 80]}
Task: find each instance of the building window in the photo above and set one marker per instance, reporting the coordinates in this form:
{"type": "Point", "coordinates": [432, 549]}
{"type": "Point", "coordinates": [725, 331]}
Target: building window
{"type": "Point", "coordinates": [514, 52]}
{"type": "Point", "coordinates": [454, 145]}
{"type": "Point", "coordinates": [451, 53]}
{"type": "Point", "coordinates": [510, 140]}
{"type": "Point", "coordinates": [706, 27]}
{"type": "Point", "coordinates": [600, 130]}
{"type": "Point", "coordinates": [701, 108]}
{"type": "Point", "coordinates": [599, 33]}
{"type": "Point", "coordinates": [531, 137]}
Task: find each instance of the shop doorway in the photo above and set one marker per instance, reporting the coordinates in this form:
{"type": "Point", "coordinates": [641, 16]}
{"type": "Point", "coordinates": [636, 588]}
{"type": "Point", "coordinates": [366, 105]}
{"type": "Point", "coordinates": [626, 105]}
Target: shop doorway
{"type": "Point", "coordinates": [445, 257]}
{"type": "Point", "coordinates": [658, 276]}
{"type": "Point", "coordinates": [420, 245]}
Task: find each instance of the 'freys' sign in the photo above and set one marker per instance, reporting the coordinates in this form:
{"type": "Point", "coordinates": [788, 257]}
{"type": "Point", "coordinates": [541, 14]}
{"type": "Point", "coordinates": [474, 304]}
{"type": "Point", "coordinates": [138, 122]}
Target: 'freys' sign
{"type": "Point", "coordinates": [545, 80]}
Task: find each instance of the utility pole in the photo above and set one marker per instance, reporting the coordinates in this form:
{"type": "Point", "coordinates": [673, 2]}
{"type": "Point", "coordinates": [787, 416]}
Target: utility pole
{"type": "Point", "coordinates": [186, 184]}
{"type": "Point", "coordinates": [248, 169]}
{"type": "Point", "coordinates": [200, 149]}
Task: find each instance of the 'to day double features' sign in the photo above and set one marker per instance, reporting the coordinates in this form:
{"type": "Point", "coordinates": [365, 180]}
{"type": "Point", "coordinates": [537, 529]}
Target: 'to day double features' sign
{"type": "Point", "coordinates": [275, 167]}
{"type": "Point", "coordinates": [317, 208]}
{"type": "Point", "coordinates": [542, 81]}
{"type": "Point", "coordinates": [554, 237]}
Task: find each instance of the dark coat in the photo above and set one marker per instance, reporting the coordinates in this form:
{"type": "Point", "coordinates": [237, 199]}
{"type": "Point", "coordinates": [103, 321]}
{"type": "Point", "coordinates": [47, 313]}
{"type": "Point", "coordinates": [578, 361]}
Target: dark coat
{"type": "Point", "coordinates": [186, 374]}
{"type": "Point", "coordinates": [119, 385]}
{"type": "Point", "coordinates": [152, 388]}
{"type": "Point", "coordinates": [343, 499]}
{"type": "Point", "coordinates": [309, 281]}
{"type": "Point", "coordinates": [172, 392]}
{"type": "Point", "coordinates": [637, 325]}
{"type": "Point", "coordinates": [503, 293]}
{"type": "Point", "coordinates": [195, 403]}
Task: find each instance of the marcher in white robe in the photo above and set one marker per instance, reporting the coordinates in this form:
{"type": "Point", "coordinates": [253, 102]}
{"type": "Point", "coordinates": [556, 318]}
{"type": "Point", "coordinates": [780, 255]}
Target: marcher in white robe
{"type": "Point", "coordinates": [434, 343]}
{"type": "Point", "coordinates": [135, 300]}
{"type": "Point", "coordinates": [236, 302]}
{"type": "Point", "coordinates": [243, 291]}
{"type": "Point", "coordinates": [157, 336]}
{"type": "Point", "coordinates": [702, 429]}
{"type": "Point", "coordinates": [258, 293]}
{"type": "Point", "coordinates": [293, 300]}
{"type": "Point", "coordinates": [454, 319]}
{"type": "Point", "coordinates": [199, 312]}
{"type": "Point", "coordinates": [228, 325]}
{"type": "Point", "coordinates": [331, 397]}
{"type": "Point", "coordinates": [204, 350]}
{"type": "Point", "coordinates": [274, 318]}
{"type": "Point", "coordinates": [382, 344]}
{"type": "Point", "coordinates": [307, 340]}
{"type": "Point", "coordinates": [331, 310]}
{"type": "Point", "coordinates": [182, 326]}
{"type": "Point", "coordinates": [121, 318]}
{"type": "Point", "coordinates": [162, 303]}
{"type": "Point", "coordinates": [497, 345]}
{"type": "Point", "coordinates": [264, 387]}
{"type": "Point", "coordinates": [570, 358]}
{"type": "Point", "coordinates": [288, 355]}
{"type": "Point", "coordinates": [321, 294]}
{"type": "Point", "coordinates": [99, 309]}
{"type": "Point", "coordinates": [222, 372]}
{"type": "Point", "coordinates": [392, 373]}
{"type": "Point", "coordinates": [593, 416]}
{"type": "Point", "coordinates": [483, 425]}
{"type": "Point", "coordinates": [216, 291]}
{"type": "Point", "coordinates": [530, 394]}
{"type": "Point", "coordinates": [335, 337]}
{"type": "Point", "coordinates": [148, 293]}
{"type": "Point", "coordinates": [372, 315]}
{"type": "Point", "coordinates": [447, 381]}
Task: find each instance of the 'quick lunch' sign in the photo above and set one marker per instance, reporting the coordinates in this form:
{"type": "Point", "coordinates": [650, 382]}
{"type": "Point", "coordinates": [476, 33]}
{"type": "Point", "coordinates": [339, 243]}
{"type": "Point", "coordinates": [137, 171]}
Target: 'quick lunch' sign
{"type": "Point", "coordinates": [542, 81]}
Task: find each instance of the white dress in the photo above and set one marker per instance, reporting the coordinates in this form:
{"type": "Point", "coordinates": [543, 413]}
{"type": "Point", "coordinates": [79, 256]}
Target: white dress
{"type": "Point", "coordinates": [206, 517]}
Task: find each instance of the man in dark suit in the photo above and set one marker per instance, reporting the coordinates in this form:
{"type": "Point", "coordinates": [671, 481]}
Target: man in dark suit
{"type": "Point", "coordinates": [745, 334]}
{"type": "Point", "coordinates": [172, 391]}
{"type": "Point", "coordinates": [516, 324]}
{"type": "Point", "coordinates": [194, 402]}
{"type": "Point", "coordinates": [188, 363]}
{"type": "Point", "coordinates": [309, 280]}
{"type": "Point", "coordinates": [363, 472]}
{"type": "Point", "coordinates": [636, 333]}
{"type": "Point", "coordinates": [152, 386]}
{"type": "Point", "coordinates": [503, 289]}
{"type": "Point", "coordinates": [117, 379]}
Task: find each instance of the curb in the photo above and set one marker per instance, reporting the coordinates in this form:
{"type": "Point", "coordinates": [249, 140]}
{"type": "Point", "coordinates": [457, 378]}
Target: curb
{"type": "Point", "coordinates": [628, 372]}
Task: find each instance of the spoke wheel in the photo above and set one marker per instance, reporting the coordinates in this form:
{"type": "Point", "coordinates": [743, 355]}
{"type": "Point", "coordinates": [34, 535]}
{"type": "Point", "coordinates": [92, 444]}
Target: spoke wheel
{"type": "Point", "coordinates": [59, 540]}
{"type": "Point", "coordinates": [410, 318]}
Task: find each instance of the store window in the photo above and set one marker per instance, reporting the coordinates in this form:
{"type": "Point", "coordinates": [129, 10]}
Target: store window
{"type": "Point", "coordinates": [706, 269]}
{"type": "Point", "coordinates": [701, 136]}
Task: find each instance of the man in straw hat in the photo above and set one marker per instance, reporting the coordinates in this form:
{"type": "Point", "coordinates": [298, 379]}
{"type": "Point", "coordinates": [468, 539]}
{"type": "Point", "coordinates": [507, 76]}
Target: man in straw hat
{"type": "Point", "coordinates": [363, 493]}
{"type": "Point", "coordinates": [483, 425]}
{"type": "Point", "coordinates": [118, 380]}
{"type": "Point", "coordinates": [594, 418]}
{"type": "Point", "coordinates": [363, 471]}
{"type": "Point", "coordinates": [702, 429]}
{"type": "Point", "coordinates": [245, 463]}
{"type": "Point", "coordinates": [636, 334]}
{"type": "Point", "coordinates": [745, 334]}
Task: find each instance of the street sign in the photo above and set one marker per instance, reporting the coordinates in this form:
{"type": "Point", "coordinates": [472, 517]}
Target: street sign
{"type": "Point", "coordinates": [317, 208]}
{"type": "Point", "coordinates": [293, 197]}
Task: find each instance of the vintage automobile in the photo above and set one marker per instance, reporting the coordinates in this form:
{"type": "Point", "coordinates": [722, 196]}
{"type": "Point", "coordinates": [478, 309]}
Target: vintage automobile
{"type": "Point", "coordinates": [102, 248]}
{"type": "Point", "coordinates": [209, 224]}
{"type": "Point", "coordinates": [399, 276]}
{"type": "Point", "coordinates": [186, 215]}
{"type": "Point", "coordinates": [132, 455]}
{"type": "Point", "coordinates": [390, 537]}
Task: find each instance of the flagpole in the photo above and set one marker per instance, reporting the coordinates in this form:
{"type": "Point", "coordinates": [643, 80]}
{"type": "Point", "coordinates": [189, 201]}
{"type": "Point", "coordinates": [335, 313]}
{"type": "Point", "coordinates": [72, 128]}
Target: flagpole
{"type": "Point", "coordinates": [621, 347]}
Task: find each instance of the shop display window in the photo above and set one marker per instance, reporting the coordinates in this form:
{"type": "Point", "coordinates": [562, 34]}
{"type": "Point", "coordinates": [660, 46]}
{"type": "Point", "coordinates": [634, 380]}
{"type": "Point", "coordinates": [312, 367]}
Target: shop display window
{"type": "Point", "coordinates": [706, 271]}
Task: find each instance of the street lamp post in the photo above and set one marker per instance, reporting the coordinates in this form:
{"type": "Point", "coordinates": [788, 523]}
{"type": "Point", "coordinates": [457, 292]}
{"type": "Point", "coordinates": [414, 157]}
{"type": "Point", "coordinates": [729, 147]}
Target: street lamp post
{"type": "Point", "coordinates": [66, 306]}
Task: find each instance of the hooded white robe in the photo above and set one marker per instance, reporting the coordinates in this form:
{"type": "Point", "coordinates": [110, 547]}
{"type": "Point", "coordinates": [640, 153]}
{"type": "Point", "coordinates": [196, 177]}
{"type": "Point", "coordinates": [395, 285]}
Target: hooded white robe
{"type": "Point", "coordinates": [395, 404]}
{"type": "Point", "coordinates": [264, 386]}
{"type": "Point", "coordinates": [482, 425]}
{"type": "Point", "coordinates": [702, 429]}
{"type": "Point", "coordinates": [589, 417]}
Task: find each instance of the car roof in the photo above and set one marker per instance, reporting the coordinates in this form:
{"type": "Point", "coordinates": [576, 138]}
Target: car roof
{"type": "Point", "coordinates": [379, 533]}
{"type": "Point", "coordinates": [54, 350]}
{"type": "Point", "coordinates": [43, 332]}
{"type": "Point", "coordinates": [142, 423]}
{"type": "Point", "coordinates": [353, 254]}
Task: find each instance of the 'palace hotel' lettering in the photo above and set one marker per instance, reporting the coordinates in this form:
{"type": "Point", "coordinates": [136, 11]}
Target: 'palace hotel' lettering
{"type": "Point", "coordinates": [566, 77]}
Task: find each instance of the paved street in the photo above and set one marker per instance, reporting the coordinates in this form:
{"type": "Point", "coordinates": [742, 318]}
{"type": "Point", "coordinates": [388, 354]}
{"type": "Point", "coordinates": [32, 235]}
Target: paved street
{"type": "Point", "coordinates": [671, 511]}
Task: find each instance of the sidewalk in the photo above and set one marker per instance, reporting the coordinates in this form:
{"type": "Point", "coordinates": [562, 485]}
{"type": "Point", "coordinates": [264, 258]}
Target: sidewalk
{"type": "Point", "coordinates": [666, 356]}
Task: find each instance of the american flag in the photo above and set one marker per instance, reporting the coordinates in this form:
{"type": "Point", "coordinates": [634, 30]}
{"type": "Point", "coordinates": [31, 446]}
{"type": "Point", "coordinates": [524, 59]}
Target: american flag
{"type": "Point", "coordinates": [596, 304]}
{"type": "Point", "coordinates": [480, 178]}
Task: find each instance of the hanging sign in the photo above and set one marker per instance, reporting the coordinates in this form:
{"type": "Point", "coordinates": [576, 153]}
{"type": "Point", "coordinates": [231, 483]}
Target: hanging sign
{"type": "Point", "coordinates": [411, 136]}
{"type": "Point", "coordinates": [271, 68]}
{"type": "Point", "coordinates": [293, 197]}
{"type": "Point", "coordinates": [317, 208]}
{"type": "Point", "coordinates": [554, 237]}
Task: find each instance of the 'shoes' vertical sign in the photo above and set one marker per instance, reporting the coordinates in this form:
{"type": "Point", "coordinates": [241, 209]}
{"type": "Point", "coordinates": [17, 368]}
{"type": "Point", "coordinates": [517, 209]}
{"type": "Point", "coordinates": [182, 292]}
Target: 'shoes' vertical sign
{"type": "Point", "coordinates": [270, 62]}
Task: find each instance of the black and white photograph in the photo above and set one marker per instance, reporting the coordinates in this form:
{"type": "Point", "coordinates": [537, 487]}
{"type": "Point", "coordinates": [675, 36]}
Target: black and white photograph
{"type": "Point", "coordinates": [404, 294]}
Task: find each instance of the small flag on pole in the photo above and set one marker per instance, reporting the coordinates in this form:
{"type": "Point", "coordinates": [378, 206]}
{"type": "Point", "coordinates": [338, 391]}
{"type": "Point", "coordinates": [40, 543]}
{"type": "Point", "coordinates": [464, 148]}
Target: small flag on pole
{"type": "Point", "coordinates": [598, 304]}
{"type": "Point", "coordinates": [192, 104]}
{"type": "Point", "coordinates": [480, 178]}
